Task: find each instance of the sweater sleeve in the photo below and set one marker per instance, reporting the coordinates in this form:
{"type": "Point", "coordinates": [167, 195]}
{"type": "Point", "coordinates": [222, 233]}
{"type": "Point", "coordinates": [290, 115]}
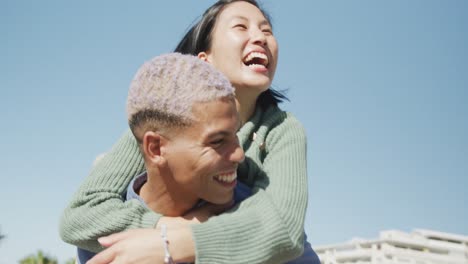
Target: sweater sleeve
{"type": "Point", "coordinates": [268, 227]}
{"type": "Point", "coordinates": [99, 208]}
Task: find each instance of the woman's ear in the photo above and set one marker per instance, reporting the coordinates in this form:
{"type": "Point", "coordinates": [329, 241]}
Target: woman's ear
{"type": "Point", "coordinates": [203, 56]}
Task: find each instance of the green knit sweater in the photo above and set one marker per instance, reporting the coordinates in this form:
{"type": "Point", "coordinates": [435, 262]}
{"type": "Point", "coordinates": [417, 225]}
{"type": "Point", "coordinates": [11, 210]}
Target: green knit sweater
{"type": "Point", "coordinates": [266, 228]}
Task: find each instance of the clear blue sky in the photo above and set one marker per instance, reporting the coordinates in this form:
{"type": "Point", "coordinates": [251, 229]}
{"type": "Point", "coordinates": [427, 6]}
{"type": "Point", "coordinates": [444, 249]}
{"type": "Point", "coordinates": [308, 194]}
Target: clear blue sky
{"type": "Point", "coordinates": [380, 86]}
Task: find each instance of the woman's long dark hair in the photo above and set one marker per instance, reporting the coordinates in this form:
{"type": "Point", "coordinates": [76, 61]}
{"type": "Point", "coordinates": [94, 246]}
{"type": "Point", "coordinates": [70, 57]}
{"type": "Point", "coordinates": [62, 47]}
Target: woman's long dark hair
{"type": "Point", "coordinates": [199, 37]}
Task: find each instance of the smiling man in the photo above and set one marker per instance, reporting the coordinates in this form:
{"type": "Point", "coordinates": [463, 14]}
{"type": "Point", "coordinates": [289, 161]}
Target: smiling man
{"type": "Point", "coordinates": [183, 115]}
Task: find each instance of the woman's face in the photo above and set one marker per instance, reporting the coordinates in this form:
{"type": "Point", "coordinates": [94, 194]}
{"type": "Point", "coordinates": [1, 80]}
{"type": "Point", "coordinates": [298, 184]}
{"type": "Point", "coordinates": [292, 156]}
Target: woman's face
{"type": "Point", "coordinates": [243, 48]}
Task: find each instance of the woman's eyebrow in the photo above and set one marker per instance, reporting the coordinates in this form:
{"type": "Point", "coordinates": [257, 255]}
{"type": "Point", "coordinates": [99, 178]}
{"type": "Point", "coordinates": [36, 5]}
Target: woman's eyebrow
{"type": "Point", "coordinates": [263, 22]}
{"type": "Point", "coordinates": [239, 17]}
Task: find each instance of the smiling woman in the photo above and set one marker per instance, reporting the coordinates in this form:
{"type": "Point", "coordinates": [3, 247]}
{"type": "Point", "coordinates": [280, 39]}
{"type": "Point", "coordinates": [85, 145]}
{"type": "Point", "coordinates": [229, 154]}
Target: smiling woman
{"type": "Point", "coordinates": [268, 227]}
{"type": "Point", "coordinates": [244, 49]}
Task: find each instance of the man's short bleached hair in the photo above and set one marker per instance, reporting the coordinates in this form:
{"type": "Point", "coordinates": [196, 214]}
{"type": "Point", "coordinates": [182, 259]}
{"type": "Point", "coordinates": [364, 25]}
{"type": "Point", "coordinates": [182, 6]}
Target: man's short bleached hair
{"type": "Point", "coordinates": [164, 90]}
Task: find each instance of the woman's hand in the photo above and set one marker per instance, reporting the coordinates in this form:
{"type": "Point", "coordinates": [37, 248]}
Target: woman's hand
{"type": "Point", "coordinates": [194, 216]}
{"type": "Point", "coordinates": [145, 246]}
{"type": "Point", "coordinates": [204, 212]}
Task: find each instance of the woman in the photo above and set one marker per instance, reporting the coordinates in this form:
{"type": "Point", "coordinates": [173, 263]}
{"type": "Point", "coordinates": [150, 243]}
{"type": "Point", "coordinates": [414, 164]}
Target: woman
{"type": "Point", "coordinates": [236, 37]}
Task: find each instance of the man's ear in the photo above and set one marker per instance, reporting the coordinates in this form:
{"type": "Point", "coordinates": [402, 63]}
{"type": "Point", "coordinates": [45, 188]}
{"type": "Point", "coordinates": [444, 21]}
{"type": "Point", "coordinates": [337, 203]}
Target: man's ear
{"type": "Point", "coordinates": [151, 145]}
{"type": "Point", "coordinates": [203, 56]}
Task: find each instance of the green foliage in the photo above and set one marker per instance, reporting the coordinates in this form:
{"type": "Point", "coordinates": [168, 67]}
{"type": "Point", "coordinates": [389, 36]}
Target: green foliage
{"type": "Point", "coordinates": [70, 261]}
{"type": "Point", "coordinates": [39, 258]}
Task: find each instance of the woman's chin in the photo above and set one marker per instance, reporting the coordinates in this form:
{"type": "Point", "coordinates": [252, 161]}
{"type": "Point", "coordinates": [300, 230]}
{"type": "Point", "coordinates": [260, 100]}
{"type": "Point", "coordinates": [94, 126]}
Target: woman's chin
{"type": "Point", "coordinates": [259, 83]}
{"type": "Point", "coordinates": [251, 89]}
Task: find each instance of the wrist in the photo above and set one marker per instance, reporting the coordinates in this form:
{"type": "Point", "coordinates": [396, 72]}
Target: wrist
{"type": "Point", "coordinates": [181, 244]}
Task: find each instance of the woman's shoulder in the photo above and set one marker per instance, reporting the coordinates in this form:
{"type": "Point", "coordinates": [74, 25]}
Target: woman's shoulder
{"type": "Point", "coordinates": [277, 123]}
{"type": "Point", "coordinates": [277, 118]}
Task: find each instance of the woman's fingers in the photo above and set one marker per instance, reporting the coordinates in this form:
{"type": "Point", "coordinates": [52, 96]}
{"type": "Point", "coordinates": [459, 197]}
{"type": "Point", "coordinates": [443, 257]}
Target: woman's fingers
{"type": "Point", "coordinates": [104, 257]}
{"type": "Point", "coordinates": [109, 240]}
{"type": "Point", "coordinates": [201, 214]}
{"type": "Point", "coordinates": [143, 246]}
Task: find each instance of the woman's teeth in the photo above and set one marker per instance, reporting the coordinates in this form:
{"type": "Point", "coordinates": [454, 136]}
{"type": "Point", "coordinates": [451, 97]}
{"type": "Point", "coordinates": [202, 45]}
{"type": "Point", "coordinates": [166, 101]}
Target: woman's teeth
{"type": "Point", "coordinates": [228, 177]}
{"type": "Point", "coordinates": [256, 66]}
{"type": "Point", "coordinates": [257, 59]}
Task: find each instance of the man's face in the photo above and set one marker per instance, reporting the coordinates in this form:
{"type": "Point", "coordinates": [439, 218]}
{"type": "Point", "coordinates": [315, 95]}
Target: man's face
{"type": "Point", "coordinates": [203, 157]}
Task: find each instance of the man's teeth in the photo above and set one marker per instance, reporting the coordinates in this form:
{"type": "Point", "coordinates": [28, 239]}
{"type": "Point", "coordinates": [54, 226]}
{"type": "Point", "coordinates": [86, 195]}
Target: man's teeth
{"type": "Point", "coordinates": [258, 55]}
{"type": "Point", "coordinates": [229, 177]}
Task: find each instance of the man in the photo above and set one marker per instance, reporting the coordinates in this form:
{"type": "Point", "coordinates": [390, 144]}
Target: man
{"type": "Point", "coordinates": [183, 115]}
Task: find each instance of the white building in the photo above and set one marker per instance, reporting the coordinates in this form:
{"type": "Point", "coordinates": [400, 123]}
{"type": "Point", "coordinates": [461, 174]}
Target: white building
{"type": "Point", "coordinates": [396, 247]}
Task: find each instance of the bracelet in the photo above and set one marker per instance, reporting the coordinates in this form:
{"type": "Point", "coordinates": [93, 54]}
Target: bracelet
{"type": "Point", "coordinates": [167, 255]}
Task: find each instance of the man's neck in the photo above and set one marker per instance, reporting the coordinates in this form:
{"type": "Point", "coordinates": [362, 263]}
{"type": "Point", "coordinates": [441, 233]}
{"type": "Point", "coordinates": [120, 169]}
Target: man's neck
{"type": "Point", "coordinates": [165, 200]}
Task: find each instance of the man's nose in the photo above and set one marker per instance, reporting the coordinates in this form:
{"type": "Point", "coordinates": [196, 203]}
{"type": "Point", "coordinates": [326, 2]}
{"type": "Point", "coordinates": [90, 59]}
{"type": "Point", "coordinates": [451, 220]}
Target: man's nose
{"type": "Point", "coordinates": [237, 154]}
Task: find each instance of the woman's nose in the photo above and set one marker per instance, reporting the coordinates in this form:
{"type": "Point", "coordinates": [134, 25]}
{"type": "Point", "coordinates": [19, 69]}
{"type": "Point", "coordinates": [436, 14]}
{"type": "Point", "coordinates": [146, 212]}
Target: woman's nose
{"type": "Point", "coordinates": [258, 37]}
